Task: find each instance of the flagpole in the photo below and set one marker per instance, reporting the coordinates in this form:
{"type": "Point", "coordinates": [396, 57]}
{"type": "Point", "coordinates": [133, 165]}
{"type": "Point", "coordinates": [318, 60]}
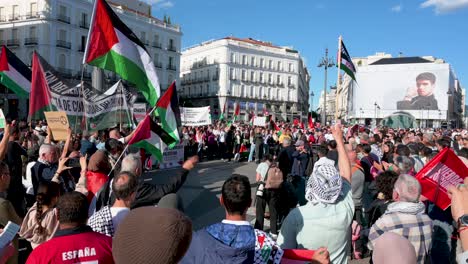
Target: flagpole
{"type": "Point", "coordinates": [93, 16]}
{"type": "Point", "coordinates": [80, 92]}
{"type": "Point", "coordinates": [340, 39]}
{"type": "Point", "coordinates": [121, 106]}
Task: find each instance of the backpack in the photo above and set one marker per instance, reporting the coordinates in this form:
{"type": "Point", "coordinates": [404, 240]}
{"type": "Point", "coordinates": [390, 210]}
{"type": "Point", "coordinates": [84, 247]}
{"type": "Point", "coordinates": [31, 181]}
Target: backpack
{"type": "Point", "coordinates": [274, 177]}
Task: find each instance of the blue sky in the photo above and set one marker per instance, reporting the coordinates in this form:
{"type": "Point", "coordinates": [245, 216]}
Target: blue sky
{"type": "Point", "coordinates": [413, 27]}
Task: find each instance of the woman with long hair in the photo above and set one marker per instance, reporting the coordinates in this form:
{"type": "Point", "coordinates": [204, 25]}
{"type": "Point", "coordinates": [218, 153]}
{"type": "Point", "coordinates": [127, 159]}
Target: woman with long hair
{"type": "Point", "coordinates": [41, 221]}
{"type": "Point", "coordinates": [388, 149]}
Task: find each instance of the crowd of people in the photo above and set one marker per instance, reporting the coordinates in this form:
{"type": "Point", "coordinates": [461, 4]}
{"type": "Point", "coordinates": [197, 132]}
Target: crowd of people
{"type": "Point", "coordinates": [345, 192]}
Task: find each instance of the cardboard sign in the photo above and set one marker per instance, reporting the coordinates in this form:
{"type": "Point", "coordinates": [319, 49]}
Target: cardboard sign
{"type": "Point", "coordinates": [2, 119]}
{"type": "Point", "coordinates": [444, 170]}
{"type": "Point", "coordinates": [58, 123]}
{"type": "Point", "coordinates": [195, 116]}
{"type": "Point", "coordinates": [259, 121]}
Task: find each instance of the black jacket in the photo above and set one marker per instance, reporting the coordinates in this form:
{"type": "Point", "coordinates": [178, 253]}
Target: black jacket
{"type": "Point", "coordinates": [147, 193]}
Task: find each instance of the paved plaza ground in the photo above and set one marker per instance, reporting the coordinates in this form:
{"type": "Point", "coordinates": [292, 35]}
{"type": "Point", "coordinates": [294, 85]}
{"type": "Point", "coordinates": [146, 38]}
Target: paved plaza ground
{"type": "Point", "coordinates": [200, 193]}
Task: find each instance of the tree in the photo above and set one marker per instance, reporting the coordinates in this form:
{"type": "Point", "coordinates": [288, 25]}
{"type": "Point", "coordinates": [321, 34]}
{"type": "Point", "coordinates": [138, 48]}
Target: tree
{"type": "Point", "coordinates": [165, 19]}
{"type": "Point", "coordinates": [168, 20]}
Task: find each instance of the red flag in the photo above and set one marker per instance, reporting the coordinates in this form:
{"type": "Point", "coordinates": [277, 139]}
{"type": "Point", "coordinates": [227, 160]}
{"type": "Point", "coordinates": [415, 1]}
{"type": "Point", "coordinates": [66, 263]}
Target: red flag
{"type": "Point", "coordinates": [444, 170]}
{"type": "Point", "coordinates": [296, 122]}
{"type": "Point", "coordinates": [273, 124]}
{"type": "Point", "coordinates": [302, 125]}
{"type": "Point", "coordinates": [310, 121]}
{"type": "Point", "coordinates": [296, 256]}
{"type": "Point", "coordinates": [40, 102]}
{"type": "Point", "coordinates": [237, 111]}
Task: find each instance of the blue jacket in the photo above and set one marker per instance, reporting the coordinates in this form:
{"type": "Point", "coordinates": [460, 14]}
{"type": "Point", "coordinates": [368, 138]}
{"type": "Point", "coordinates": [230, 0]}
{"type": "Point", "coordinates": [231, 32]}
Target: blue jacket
{"type": "Point", "coordinates": [222, 243]}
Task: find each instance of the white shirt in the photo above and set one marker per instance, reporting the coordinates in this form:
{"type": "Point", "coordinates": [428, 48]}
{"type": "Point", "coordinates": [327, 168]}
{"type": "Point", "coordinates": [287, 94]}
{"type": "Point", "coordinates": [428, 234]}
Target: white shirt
{"type": "Point", "coordinates": [118, 214]}
{"type": "Point", "coordinates": [27, 183]}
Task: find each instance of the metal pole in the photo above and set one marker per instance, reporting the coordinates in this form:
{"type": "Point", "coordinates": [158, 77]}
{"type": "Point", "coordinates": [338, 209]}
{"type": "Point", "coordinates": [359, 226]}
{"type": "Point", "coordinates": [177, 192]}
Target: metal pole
{"type": "Point", "coordinates": [325, 93]}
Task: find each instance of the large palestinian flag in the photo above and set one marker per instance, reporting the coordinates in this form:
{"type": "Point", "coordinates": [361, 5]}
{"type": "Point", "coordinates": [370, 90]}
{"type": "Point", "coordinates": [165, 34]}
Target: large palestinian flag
{"type": "Point", "coordinates": [14, 74]}
{"type": "Point", "coordinates": [151, 137]}
{"type": "Point", "coordinates": [169, 113]}
{"type": "Point", "coordinates": [345, 63]}
{"type": "Point", "coordinates": [41, 101]}
{"type": "Point", "coordinates": [114, 47]}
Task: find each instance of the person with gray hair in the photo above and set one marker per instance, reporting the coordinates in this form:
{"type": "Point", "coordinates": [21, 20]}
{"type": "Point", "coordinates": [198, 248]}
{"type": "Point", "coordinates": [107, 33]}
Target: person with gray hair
{"type": "Point", "coordinates": [45, 167]}
{"type": "Point", "coordinates": [132, 163]}
{"type": "Point", "coordinates": [404, 164]}
{"type": "Point", "coordinates": [106, 220]}
{"type": "Point", "coordinates": [406, 217]}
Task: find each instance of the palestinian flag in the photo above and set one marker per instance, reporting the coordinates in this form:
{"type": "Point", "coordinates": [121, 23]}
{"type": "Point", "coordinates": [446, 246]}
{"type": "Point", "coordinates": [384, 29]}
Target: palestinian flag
{"type": "Point", "coordinates": [310, 121]}
{"type": "Point", "coordinates": [41, 101]}
{"type": "Point", "coordinates": [169, 114]}
{"type": "Point", "coordinates": [273, 124]}
{"type": "Point", "coordinates": [345, 63]}
{"type": "Point", "coordinates": [151, 137]}
{"type": "Point", "coordinates": [221, 117]}
{"type": "Point", "coordinates": [236, 112]}
{"type": "Point", "coordinates": [114, 47]}
{"type": "Point", "coordinates": [14, 74]}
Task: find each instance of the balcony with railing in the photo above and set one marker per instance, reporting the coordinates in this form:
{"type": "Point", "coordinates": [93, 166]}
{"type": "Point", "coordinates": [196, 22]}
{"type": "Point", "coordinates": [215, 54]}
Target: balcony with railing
{"type": "Point", "coordinates": [171, 67]}
{"type": "Point", "coordinates": [63, 18]}
{"type": "Point", "coordinates": [31, 41]}
{"type": "Point", "coordinates": [171, 48]}
{"type": "Point", "coordinates": [84, 24]}
{"type": "Point", "coordinates": [63, 44]}
{"type": "Point", "coordinates": [67, 73]}
{"type": "Point", "coordinates": [13, 42]}
{"type": "Point", "coordinates": [156, 45]}
{"type": "Point", "coordinates": [31, 15]}
{"type": "Point", "coordinates": [158, 64]}
{"type": "Point", "coordinates": [14, 17]}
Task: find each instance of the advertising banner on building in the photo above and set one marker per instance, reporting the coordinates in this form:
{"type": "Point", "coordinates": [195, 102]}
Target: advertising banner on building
{"type": "Point", "coordinates": [416, 88]}
{"type": "Point", "coordinates": [195, 116]}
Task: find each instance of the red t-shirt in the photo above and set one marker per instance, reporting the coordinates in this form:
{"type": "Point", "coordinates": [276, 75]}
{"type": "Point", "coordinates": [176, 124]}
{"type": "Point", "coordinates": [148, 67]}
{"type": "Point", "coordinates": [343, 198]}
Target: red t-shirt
{"type": "Point", "coordinates": [82, 246]}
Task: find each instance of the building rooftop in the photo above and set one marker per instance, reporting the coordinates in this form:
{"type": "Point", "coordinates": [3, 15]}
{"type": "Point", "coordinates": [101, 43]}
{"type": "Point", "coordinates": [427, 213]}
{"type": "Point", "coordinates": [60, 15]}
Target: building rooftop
{"type": "Point", "coordinates": [254, 42]}
{"type": "Point", "coordinates": [402, 60]}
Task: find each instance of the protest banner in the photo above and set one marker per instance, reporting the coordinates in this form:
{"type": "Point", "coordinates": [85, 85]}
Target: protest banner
{"type": "Point", "coordinates": [2, 119]}
{"type": "Point", "coordinates": [139, 111]}
{"type": "Point", "coordinates": [444, 170]}
{"type": "Point", "coordinates": [57, 121]}
{"type": "Point", "coordinates": [259, 121]}
{"type": "Point", "coordinates": [172, 158]}
{"type": "Point", "coordinates": [195, 116]}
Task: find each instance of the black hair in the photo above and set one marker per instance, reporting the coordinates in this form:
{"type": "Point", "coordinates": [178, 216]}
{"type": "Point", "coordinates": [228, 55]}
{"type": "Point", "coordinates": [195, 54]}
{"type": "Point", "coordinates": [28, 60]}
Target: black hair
{"type": "Point", "coordinates": [113, 144]}
{"type": "Point", "coordinates": [45, 193]}
{"type": "Point", "coordinates": [426, 151]}
{"type": "Point", "coordinates": [445, 143]}
{"type": "Point", "coordinates": [72, 208]}
{"type": "Point", "coordinates": [268, 157]}
{"type": "Point", "coordinates": [426, 76]}
{"type": "Point", "coordinates": [236, 194]}
{"type": "Point", "coordinates": [366, 148]}
{"type": "Point", "coordinates": [413, 148]}
{"type": "Point", "coordinates": [385, 183]}
{"type": "Point", "coordinates": [322, 151]}
{"type": "Point", "coordinates": [390, 145]}
{"type": "Point", "coordinates": [332, 144]}
{"type": "Point", "coordinates": [402, 150]}
{"type": "Point", "coordinates": [377, 138]}
{"type": "Point", "coordinates": [124, 189]}
{"type": "Point", "coordinates": [463, 152]}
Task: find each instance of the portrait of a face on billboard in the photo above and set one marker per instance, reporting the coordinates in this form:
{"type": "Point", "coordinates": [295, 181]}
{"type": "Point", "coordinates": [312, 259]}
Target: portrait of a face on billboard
{"type": "Point", "coordinates": [403, 87]}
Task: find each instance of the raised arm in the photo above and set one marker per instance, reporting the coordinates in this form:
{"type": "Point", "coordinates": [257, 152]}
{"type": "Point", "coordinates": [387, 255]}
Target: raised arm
{"type": "Point", "coordinates": [343, 162]}
{"type": "Point", "coordinates": [67, 144]}
{"type": "Point", "coordinates": [4, 142]}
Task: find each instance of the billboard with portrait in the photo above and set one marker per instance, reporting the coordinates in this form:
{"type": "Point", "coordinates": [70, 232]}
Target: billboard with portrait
{"type": "Point", "coordinates": [413, 88]}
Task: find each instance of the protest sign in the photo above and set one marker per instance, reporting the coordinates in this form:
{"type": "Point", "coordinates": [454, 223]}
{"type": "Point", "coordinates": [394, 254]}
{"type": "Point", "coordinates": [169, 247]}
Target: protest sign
{"type": "Point", "coordinates": [172, 157]}
{"type": "Point", "coordinates": [139, 111]}
{"type": "Point", "coordinates": [195, 116]}
{"type": "Point", "coordinates": [2, 119]}
{"type": "Point", "coordinates": [444, 170]}
{"type": "Point", "coordinates": [58, 124]}
{"type": "Point", "coordinates": [259, 121]}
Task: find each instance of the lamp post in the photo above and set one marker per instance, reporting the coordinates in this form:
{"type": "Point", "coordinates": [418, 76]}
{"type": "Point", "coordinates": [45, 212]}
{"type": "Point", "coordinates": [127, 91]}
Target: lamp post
{"type": "Point", "coordinates": [325, 62]}
{"type": "Point", "coordinates": [440, 119]}
{"type": "Point", "coordinates": [375, 112]}
{"type": "Point", "coordinates": [360, 114]}
{"type": "Point", "coordinates": [450, 107]}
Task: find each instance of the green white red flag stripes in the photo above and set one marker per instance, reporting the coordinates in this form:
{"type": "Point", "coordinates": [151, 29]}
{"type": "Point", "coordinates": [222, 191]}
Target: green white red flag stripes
{"type": "Point", "coordinates": [114, 47]}
{"type": "Point", "coordinates": [151, 137]}
{"type": "Point", "coordinates": [169, 113]}
{"type": "Point", "coordinates": [14, 74]}
{"type": "Point", "coordinates": [41, 101]}
{"type": "Point", "coordinates": [345, 63]}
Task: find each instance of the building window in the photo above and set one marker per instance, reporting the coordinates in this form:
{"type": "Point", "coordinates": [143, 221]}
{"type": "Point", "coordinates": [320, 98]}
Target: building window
{"type": "Point", "coordinates": [33, 9]}
{"type": "Point", "coordinates": [231, 74]}
{"type": "Point", "coordinates": [278, 79]}
{"type": "Point", "coordinates": [243, 75]}
{"type": "Point", "coordinates": [252, 76]}
{"type": "Point", "coordinates": [269, 93]}
{"type": "Point", "coordinates": [270, 78]}
{"type": "Point", "coordinates": [252, 91]}
{"type": "Point", "coordinates": [290, 95]}
{"type": "Point", "coordinates": [278, 94]}
{"type": "Point", "coordinates": [14, 33]}
{"type": "Point", "coordinates": [32, 32]}
{"type": "Point", "coordinates": [16, 12]}
{"type": "Point", "coordinates": [244, 60]}
{"type": "Point", "coordinates": [62, 61]}
{"type": "Point", "coordinates": [289, 80]}
{"type": "Point", "coordinates": [62, 10]}
{"type": "Point", "coordinates": [279, 66]}
{"type": "Point", "coordinates": [2, 14]}
{"type": "Point", "coordinates": [260, 92]}
{"type": "Point", "coordinates": [261, 77]}
{"type": "Point", "coordinates": [290, 68]}
{"type": "Point", "coordinates": [252, 61]}
{"type": "Point", "coordinates": [242, 91]}
{"type": "Point", "coordinates": [2, 38]}
{"type": "Point", "coordinates": [262, 63]}
{"type": "Point", "coordinates": [270, 64]}
{"type": "Point", "coordinates": [63, 35]}
{"type": "Point", "coordinates": [233, 58]}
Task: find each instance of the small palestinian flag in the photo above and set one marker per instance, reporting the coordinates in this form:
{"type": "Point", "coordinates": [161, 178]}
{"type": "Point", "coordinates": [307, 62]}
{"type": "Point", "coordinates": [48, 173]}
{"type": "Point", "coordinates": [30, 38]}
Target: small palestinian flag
{"type": "Point", "coordinates": [169, 114]}
{"type": "Point", "coordinates": [40, 102]}
{"type": "Point", "coordinates": [14, 74]}
{"type": "Point", "coordinates": [113, 46]}
{"type": "Point", "coordinates": [151, 137]}
{"type": "Point", "coordinates": [345, 63]}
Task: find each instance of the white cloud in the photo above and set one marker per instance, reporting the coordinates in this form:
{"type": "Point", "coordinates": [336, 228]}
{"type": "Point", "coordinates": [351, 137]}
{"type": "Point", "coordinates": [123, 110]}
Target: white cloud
{"type": "Point", "coordinates": [397, 8]}
{"type": "Point", "coordinates": [161, 4]}
{"type": "Point", "coordinates": [445, 6]}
